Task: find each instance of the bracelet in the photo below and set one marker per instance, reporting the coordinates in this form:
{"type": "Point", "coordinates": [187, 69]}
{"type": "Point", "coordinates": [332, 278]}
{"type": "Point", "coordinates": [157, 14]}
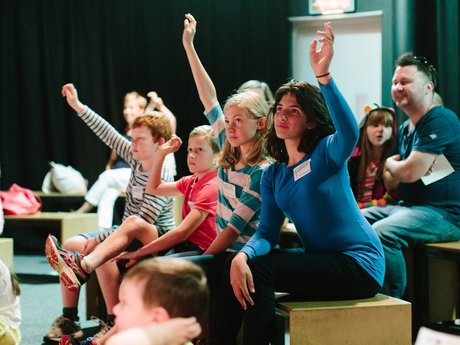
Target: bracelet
{"type": "Point", "coordinates": [322, 75]}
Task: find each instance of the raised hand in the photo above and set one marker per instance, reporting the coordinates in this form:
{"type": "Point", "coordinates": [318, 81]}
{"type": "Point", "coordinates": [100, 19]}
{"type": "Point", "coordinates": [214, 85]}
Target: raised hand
{"type": "Point", "coordinates": [172, 145]}
{"type": "Point", "coordinates": [133, 257]}
{"type": "Point", "coordinates": [155, 102]}
{"type": "Point", "coordinates": [189, 30]}
{"type": "Point", "coordinates": [320, 59]}
{"type": "Point", "coordinates": [70, 93]}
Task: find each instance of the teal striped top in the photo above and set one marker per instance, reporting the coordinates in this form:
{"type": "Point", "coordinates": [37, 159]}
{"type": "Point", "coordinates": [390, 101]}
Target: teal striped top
{"type": "Point", "coordinates": [239, 199]}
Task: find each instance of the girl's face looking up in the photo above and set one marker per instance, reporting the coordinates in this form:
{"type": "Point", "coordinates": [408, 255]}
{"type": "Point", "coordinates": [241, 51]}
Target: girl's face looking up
{"type": "Point", "coordinates": [290, 120]}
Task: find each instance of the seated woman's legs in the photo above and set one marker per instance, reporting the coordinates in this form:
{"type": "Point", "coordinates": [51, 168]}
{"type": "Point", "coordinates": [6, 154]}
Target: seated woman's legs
{"type": "Point", "coordinates": [306, 276]}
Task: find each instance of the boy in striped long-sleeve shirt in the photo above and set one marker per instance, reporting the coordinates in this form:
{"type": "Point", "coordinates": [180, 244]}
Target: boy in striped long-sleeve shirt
{"type": "Point", "coordinates": [148, 132]}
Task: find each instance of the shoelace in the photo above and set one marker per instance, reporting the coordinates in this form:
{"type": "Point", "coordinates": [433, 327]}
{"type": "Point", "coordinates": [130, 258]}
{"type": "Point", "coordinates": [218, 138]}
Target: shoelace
{"type": "Point", "coordinates": [105, 327]}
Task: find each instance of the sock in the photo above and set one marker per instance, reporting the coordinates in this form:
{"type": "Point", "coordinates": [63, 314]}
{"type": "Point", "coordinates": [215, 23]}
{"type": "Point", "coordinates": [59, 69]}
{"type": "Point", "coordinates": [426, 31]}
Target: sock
{"type": "Point", "coordinates": [110, 319]}
{"type": "Point", "coordinates": [70, 313]}
{"type": "Point", "coordinates": [86, 266]}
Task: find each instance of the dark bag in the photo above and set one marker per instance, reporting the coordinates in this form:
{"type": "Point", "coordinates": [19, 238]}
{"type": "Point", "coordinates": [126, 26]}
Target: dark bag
{"type": "Point", "coordinates": [20, 201]}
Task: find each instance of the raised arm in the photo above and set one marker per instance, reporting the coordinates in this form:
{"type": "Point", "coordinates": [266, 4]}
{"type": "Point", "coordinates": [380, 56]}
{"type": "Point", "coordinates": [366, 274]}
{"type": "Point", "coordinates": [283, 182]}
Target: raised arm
{"type": "Point", "coordinates": [206, 90]}
{"type": "Point", "coordinates": [320, 59]}
{"type": "Point", "coordinates": [155, 186]}
{"type": "Point", "coordinates": [70, 93]}
{"type": "Point", "coordinates": [340, 147]}
{"type": "Point", "coordinates": [156, 102]}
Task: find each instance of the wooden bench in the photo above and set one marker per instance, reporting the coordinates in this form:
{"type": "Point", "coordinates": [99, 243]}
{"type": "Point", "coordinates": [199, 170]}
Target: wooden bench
{"type": "Point", "coordinates": [59, 202]}
{"type": "Point", "coordinates": [378, 320]}
{"type": "Point", "coordinates": [436, 282]}
{"type": "Point", "coordinates": [65, 223]}
{"type": "Point", "coordinates": [6, 251]}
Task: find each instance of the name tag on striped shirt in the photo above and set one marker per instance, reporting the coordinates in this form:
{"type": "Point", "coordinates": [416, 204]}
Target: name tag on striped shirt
{"type": "Point", "coordinates": [302, 170]}
{"type": "Point", "coordinates": [138, 192]}
{"type": "Point", "coordinates": [229, 190]}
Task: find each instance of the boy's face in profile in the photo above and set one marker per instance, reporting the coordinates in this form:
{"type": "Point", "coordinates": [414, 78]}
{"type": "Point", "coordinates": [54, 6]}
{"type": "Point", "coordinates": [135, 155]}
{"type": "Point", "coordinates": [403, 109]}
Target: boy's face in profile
{"type": "Point", "coordinates": [142, 143]}
{"type": "Point", "coordinates": [131, 311]}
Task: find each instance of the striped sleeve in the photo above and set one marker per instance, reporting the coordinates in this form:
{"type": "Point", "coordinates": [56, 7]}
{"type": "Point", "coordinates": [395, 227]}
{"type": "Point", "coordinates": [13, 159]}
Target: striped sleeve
{"type": "Point", "coordinates": [107, 133]}
{"type": "Point", "coordinates": [217, 121]}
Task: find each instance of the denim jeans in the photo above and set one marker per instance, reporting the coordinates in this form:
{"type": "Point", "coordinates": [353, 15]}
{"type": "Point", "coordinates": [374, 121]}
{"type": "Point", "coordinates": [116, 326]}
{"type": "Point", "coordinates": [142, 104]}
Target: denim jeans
{"type": "Point", "coordinates": [400, 227]}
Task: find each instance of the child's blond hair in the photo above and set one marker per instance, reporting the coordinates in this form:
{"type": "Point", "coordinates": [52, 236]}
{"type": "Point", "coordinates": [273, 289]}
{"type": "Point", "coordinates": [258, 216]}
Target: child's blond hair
{"type": "Point", "coordinates": [253, 103]}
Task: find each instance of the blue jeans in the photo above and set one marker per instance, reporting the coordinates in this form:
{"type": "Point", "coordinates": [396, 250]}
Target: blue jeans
{"type": "Point", "coordinates": [400, 227]}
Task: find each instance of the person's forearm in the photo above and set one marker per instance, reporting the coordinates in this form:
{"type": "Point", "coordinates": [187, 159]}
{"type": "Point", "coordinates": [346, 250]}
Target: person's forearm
{"type": "Point", "coordinates": [155, 174]}
{"type": "Point", "coordinates": [223, 241]}
{"type": "Point", "coordinates": [166, 241]}
{"type": "Point", "coordinates": [206, 90]}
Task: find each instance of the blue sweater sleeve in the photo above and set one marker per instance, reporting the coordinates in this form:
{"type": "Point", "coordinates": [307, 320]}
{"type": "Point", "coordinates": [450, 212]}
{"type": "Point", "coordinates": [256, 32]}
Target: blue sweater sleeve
{"type": "Point", "coordinates": [340, 145]}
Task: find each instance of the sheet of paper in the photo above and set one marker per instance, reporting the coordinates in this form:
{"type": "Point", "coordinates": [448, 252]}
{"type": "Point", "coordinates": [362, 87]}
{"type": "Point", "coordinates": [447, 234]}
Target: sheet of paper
{"type": "Point", "coordinates": [441, 169]}
{"type": "Point", "coordinates": [427, 336]}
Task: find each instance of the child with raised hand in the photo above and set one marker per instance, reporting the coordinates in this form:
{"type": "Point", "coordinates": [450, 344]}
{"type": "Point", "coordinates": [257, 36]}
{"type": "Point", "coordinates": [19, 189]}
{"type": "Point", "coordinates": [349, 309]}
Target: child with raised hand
{"type": "Point", "coordinates": [366, 164]}
{"type": "Point", "coordinates": [341, 257]}
{"type": "Point", "coordinates": [148, 132]}
{"type": "Point", "coordinates": [157, 291]}
{"type": "Point", "coordinates": [240, 129]}
{"type": "Point", "coordinates": [197, 230]}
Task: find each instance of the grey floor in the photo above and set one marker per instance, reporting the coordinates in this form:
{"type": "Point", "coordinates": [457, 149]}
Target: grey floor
{"type": "Point", "coordinates": [40, 298]}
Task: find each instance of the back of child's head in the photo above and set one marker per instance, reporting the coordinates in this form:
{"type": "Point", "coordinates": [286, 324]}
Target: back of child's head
{"type": "Point", "coordinates": [158, 124]}
{"type": "Point", "coordinates": [206, 132]}
{"type": "Point", "coordinates": [258, 85]}
{"type": "Point", "coordinates": [136, 96]}
{"type": "Point", "coordinates": [256, 108]}
{"type": "Point", "coordinates": [177, 285]}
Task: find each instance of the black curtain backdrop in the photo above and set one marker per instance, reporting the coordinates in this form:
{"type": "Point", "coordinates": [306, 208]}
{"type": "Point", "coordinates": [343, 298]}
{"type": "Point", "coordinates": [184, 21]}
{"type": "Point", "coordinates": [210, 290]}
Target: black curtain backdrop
{"type": "Point", "coordinates": [110, 47]}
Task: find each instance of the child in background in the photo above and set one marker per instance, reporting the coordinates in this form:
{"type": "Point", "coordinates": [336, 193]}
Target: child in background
{"type": "Point", "coordinates": [193, 235]}
{"type": "Point", "coordinates": [10, 312]}
{"type": "Point", "coordinates": [366, 165]}
{"type": "Point", "coordinates": [260, 87]}
{"type": "Point", "coordinates": [155, 291]}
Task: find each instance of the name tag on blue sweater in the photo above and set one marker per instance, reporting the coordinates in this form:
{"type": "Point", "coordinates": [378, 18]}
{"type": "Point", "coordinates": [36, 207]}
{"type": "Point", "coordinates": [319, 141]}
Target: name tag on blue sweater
{"type": "Point", "coordinates": [302, 170]}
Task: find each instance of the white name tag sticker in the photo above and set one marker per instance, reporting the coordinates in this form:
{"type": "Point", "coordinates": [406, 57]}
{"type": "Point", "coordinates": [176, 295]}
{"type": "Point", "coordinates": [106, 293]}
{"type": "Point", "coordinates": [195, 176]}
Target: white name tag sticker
{"type": "Point", "coordinates": [138, 192]}
{"type": "Point", "coordinates": [302, 170]}
{"type": "Point", "coordinates": [229, 190]}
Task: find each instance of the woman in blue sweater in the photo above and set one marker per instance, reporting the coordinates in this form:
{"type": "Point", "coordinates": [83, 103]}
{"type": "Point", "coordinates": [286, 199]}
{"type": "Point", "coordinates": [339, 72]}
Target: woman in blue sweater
{"type": "Point", "coordinates": [342, 257]}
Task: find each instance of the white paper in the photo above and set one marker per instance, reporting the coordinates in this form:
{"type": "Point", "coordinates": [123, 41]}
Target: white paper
{"type": "Point", "coordinates": [428, 336]}
{"type": "Point", "coordinates": [441, 169]}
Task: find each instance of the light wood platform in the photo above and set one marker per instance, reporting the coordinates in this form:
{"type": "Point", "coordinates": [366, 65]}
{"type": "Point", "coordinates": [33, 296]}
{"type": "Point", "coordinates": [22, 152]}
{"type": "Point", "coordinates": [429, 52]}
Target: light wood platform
{"type": "Point", "coordinates": [6, 251]}
{"type": "Point", "coordinates": [377, 321]}
{"type": "Point", "coordinates": [68, 224]}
